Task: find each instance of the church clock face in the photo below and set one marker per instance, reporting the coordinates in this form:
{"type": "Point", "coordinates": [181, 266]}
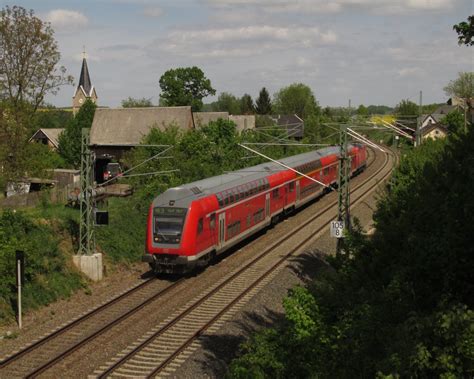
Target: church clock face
{"type": "Point", "coordinates": [81, 101]}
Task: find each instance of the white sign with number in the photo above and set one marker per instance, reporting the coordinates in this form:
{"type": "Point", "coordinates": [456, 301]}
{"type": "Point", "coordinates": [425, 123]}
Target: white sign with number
{"type": "Point", "coordinates": [337, 229]}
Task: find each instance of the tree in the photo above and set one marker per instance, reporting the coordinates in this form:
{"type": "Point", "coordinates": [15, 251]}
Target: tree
{"type": "Point", "coordinates": [70, 140]}
{"type": "Point", "coordinates": [130, 102]}
{"type": "Point", "coordinates": [465, 31]}
{"type": "Point", "coordinates": [362, 110]}
{"type": "Point", "coordinates": [28, 68]}
{"type": "Point", "coordinates": [462, 87]}
{"type": "Point", "coordinates": [263, 103]}
{"type": "Point", "coordinates": [246, 105]}
{"type": "Point", "coordinates": [454, 121]}
{"type": "Point", "coordinates": [185, 86]}
{"type": "Point", "coordinates": [407, 108]}
{"type": "Point", "coordinates": [226, 102]}
{"type": "Point", "coordinates": [296, 99]}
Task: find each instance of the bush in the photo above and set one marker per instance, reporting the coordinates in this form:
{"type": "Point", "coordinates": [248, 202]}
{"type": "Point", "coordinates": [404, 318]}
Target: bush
{"type": "Point", "coordinates": [48, 272]}
{"type": "Point", "coordinates": [399, 304]}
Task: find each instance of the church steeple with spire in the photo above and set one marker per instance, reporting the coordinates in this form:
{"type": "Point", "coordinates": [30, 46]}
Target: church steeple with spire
{"type": "Point", "coordinates": [85, 89]}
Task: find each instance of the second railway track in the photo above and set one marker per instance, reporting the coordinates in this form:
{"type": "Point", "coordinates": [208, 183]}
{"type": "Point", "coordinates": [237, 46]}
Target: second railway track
{"type": "Point", "coordinates": [45, 353]}
{"type": "Point", "coordinates": [160, 351]}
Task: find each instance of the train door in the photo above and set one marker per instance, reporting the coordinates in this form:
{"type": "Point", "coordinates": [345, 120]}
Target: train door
{"type": "Point", "coordinates": [297, 191]}
{"type": "Point", "coordinates": [267, 206]}
{"type": "Point", "coordinates": [221, 229]}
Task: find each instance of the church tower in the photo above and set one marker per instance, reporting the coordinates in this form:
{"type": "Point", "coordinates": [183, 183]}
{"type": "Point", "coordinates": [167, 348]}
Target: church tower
{"type": "Point", "coordinates": [85, 89]}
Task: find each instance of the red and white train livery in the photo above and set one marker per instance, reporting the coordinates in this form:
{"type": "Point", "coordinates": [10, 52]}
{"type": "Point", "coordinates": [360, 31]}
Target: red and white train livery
{"type": "Point", "coordinates": [190, 224]}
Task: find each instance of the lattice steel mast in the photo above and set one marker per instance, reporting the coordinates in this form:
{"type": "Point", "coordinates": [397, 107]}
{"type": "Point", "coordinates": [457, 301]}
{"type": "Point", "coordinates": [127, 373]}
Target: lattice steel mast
{"type": "Point", "coordinates": [86, 223]}
{"type": "Point", "coordinates": [343, 182]}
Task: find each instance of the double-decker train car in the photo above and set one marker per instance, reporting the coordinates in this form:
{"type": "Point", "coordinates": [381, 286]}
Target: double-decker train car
{"type": "Point", "coordinates": [190, 224]}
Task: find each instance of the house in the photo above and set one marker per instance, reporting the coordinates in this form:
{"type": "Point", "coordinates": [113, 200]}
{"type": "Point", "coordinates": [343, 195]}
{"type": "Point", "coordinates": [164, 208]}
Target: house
{"type": "Point", "coordinates": [116, 131]}
{"type": "Point", "coordinates": [434, 131]}
{"type": "Point", "coordinates": [293, 125]}
{"type": "Point", "coordinates": [428, 119]}
{"type": "Point", "coordinates": [48, 137]}
{"type": "Point", "coordinates": [242, 122]}
{"type": "Point", "coordinates": [204, 118]}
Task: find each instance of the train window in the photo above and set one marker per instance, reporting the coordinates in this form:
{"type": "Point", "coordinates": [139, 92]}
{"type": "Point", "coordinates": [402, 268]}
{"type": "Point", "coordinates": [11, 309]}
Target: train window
{"type": "Point", "coordinates": [276, 193]}
{"type": "Point", "coordinates": [292, 186]}
{"type": "Point", "coordinates": [212, 221]}
{"type": "Point", "coordinates": [326, 171]}
{"type": "Point", "coordinates": [200, 226]}
{"type": "Point", "coordinates": [226, 199]}
{"type": "Point", "coordinates": [220, 200]}
{"type": "Point", "coordinates": [248, 220]}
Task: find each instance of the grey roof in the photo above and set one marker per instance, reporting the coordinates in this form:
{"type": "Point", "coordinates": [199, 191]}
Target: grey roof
{"type": "Point", "coordinates": [85, 80]}
{"type": "Point", "coordinates": [185, 194]}
{"type": "Point", "coordinates": [203, 118]}
{"type": "Point", "coordinates": [52, 134]}
{"type": "Point", "coordinates": [128, 126]}
{"type": "Point", "coordinates": [445, 109]}
{"type": "Point", "coordinates": [436, 116]}
{"type": "Point", "coordinates": [431, 127]}
{"type": "Point", "coordinates": [293, 124]}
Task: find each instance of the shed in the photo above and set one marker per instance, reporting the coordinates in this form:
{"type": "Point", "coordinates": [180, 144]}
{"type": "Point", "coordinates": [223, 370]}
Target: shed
{"type": "Point", "coordinates": [48, 137]}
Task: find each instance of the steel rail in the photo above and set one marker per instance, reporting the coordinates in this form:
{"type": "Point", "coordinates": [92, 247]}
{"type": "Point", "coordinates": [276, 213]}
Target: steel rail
{"type": "Point", "coordinates": [265, 253]}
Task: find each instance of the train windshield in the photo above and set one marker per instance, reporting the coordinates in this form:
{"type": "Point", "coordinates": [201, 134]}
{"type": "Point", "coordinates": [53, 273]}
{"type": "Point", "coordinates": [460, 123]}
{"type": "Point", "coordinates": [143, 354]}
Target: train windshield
{"type": "Point", "coordinates": [168, 224]}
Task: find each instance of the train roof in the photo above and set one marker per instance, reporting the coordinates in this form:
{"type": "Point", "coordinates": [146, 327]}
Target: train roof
{"type": "Point", "coordinates": [185, 194]}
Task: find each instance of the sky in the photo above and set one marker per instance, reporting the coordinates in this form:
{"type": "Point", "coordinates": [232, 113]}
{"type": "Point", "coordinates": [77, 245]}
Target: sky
{"type": "Point", "coordinates": [368, 51]}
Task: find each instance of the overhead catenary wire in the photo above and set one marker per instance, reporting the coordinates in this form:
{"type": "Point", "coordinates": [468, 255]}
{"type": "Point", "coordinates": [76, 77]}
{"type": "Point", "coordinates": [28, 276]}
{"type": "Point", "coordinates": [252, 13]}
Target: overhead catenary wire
{"type": "Point", "coordinates": [286, 166]}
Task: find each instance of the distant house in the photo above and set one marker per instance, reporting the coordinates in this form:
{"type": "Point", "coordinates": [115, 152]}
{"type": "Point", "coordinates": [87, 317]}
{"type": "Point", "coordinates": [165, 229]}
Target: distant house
{"type": "Point", "coordinates": [204, 118]}
{"type": "Point", "coordinates": [428, 119]}
{"type": "Point", "coordinates": [49, 137]}
{"type": "Point", "coordinates": [115, 131]}
{"type": "Point", "coordinates": [242, 122]}
{"type": "Point", "coordinates": [434, 131]}
{"type": "Point", "coordinates": [293, 125]}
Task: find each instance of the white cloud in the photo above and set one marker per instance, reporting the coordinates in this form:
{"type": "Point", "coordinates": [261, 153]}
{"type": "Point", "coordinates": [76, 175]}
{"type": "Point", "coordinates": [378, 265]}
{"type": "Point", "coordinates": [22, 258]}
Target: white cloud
{"type": "Point", "coordinates": [153, 11]}
{"type": "Point", "coordinates": [324, 6]}
{"type": "Point", "coordinates": [66, 19]}
{"type": "Point", "coordinates": [241, 41]}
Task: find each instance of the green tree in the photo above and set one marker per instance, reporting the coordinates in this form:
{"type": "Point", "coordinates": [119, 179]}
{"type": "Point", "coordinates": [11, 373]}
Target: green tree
{"type": "Point", "coordinates": [226, 102]}
{"type": "Point", "coordinates": [407, 108]}
{"type": "Point", "coordinates": [263, 104]}
{"type": "Point", "coordinates": [362, 110]}
{"type": "Point", "coordinates": [28, 68]}
{"type": "Point", "coordinates": [296, 99]}
{"type": "Point", "coordinates": [71, 138]}
{"type": "Point", "coordinates": [462, 87]}
{"type": "Point", "coordinates": [465, 31]}
{"type": "Point", "coordinates": [185, 86]}
{"type": "Point", "coordinates": [454, 121]}
{"type": "Point", "coordinates": [131, 102]}
{"type": "Point", "coordinates": [246, 104]}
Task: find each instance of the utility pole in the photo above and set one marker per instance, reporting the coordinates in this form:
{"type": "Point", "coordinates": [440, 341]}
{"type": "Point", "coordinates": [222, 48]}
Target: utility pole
{"type": "Point", "coordinates": [418, 122]}
{"type": "Point", "coordinates": [86, 224]}
{"type": "Point", "coordinates": [343, 184]}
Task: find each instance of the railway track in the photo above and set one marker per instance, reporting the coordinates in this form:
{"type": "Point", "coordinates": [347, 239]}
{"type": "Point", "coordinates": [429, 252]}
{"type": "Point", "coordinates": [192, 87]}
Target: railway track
{"type": "Point", "coordinates": [46, 352]}
{"type": "Point", "coordinates": [160, 351]}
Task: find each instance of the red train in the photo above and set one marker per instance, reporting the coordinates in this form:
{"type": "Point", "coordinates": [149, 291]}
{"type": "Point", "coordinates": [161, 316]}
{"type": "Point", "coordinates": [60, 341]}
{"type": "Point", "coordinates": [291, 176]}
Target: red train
{"type": "Point", "coordinates": [190, 224]}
